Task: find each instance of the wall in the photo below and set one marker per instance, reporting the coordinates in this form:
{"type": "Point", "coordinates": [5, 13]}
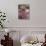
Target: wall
{"type": "Point", "coordinates": [37, 13]}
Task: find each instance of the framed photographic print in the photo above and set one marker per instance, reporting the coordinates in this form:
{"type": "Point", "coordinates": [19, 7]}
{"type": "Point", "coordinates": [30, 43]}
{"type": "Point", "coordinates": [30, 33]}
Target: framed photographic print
{"type": "Point", "coordinates": [23, 11]}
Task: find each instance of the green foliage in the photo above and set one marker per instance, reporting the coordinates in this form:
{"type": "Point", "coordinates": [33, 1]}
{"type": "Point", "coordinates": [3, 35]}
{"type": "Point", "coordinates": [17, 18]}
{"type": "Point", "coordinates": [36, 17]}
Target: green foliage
{"type": "Point", "coordinates": [2, 19]}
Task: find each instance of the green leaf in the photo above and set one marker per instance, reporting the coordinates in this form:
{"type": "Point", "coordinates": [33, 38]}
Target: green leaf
{"type": "Point", "coordinates": [1, 15]}
{"type": "Point", "coordinates": [4, 16]}
{"type": "Point", "coordinates": [0, 21]}
{"type": "Point", "coordinates": [2, 26]}
{"type": "Point", "coordinates": [0, 12]}
{"type": "Point", "coordinates": [4, 13]}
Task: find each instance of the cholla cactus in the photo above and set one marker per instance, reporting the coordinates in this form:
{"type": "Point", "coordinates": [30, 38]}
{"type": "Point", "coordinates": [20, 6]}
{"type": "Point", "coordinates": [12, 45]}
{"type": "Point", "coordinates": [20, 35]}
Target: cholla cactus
{"type": "Point", "coordinates": [2, 19]}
